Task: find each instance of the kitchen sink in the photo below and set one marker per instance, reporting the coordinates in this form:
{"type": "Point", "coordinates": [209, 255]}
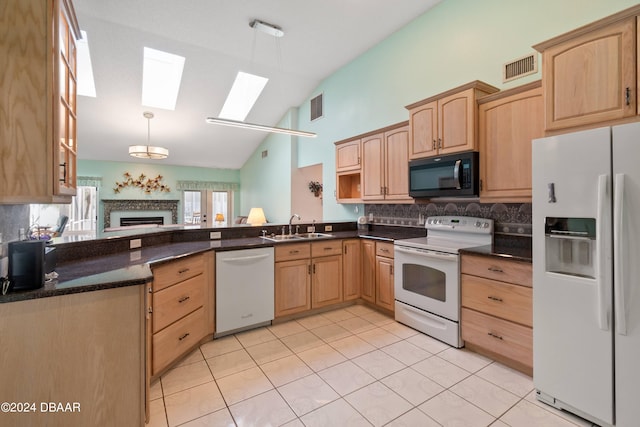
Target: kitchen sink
{"type": "Point", "coordinates": [288, 237]}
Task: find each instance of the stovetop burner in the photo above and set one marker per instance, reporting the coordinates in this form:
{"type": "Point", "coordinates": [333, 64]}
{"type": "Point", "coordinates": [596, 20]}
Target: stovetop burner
{"type": "Point", "coordinates": [449, 234]}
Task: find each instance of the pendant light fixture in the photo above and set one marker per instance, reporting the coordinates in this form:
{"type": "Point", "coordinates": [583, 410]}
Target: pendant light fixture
{"type": "Point", "coordinates": [276, 32]}
{"type": "Point", "coordinates": [148, 151]}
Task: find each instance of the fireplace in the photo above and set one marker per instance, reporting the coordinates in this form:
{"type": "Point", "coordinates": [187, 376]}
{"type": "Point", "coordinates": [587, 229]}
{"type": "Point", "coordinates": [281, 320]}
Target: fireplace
{"type": "Point", "coordinates": [143, 211]}
{"type": "Point", "coordinates": [144, 220]}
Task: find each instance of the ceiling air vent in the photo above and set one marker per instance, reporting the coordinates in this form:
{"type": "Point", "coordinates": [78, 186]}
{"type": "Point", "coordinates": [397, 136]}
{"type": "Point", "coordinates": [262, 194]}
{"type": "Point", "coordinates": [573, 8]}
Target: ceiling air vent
{"type": "Point", "coordinates": [316, 107]}
{"type": "Point", "coordinates": [520, 67]}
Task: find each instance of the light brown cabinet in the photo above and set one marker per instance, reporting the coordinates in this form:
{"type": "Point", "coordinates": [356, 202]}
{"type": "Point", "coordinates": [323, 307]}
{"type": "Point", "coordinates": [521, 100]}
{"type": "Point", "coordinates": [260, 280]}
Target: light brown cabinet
{"type": "Point", "coordinates": [385, 165]}
{"type": "Point", "coordinates": [446, 123]}
{"type": "Point", "coordinates": [348, 171]}
{"type": "Point", "coordinates": [326, 268]}
{"type": "Point", "coordinates": [182, 308]}
{"type": "Point", "coordinates": [384, 276]}
{"type": "Point", "coordinates": [38, 132]}
{"type": "Point", "coordinates": [351, 269]}
{"type": "Point", "coordinates": [292, 279]}
{"type": "Point", "coordinates": [589, 74]}
{"type": "Point", "coordinates": [507, 122]}
{"type": "Point", "coordinates": [497, 309]}
{"type": "Point", "coordinates": [368, 292]}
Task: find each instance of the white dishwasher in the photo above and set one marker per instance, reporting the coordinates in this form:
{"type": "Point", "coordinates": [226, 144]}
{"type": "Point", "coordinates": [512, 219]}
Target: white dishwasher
{"type": "Point", "coordinates": [244, 289]}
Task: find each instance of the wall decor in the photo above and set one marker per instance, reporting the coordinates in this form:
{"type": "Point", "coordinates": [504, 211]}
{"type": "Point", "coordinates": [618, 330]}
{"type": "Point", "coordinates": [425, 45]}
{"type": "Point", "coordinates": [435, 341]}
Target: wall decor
{"type": "Point", "coordinates": [142, 182]}
{"type": "Point", "coordinates": [315, 187]}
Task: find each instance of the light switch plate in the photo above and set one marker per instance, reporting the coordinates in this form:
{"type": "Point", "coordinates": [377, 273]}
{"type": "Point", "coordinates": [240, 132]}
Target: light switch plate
{"type": "Point", "coordinates": [328, 228]}
{"type": "Point", "coordinates": [135, 256]}
{"type": "Point", "coordinates": [135, 243]}
{"type": "Point", "coordinates": [213, 235]}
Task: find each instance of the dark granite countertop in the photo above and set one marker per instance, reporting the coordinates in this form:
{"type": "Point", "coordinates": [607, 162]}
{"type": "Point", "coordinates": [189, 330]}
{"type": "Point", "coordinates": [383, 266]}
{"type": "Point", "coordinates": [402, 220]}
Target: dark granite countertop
{"type": "Point", "coordinates": [514, 248]}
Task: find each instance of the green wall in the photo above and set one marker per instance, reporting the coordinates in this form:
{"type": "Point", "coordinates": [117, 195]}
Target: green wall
{"type": "Point", "coordinates": [112, 172]}
{"type": "Point", "coordinates": [456, 42]}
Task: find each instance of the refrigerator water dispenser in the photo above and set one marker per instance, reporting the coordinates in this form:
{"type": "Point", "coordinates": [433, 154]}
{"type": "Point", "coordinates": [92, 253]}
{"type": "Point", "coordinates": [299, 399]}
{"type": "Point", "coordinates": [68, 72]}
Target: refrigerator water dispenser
{"type": "Point", "coordinates": [570, 246]}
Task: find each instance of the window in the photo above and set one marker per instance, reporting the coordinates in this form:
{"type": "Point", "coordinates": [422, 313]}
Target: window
{"type": "Point", "coordinates": [202, 208]}
{"type": "Point", "coordinates": [82, 215]}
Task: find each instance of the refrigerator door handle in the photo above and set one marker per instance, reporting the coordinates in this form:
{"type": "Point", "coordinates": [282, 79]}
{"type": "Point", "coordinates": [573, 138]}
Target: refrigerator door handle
{"type": "Point", "coordinates": [618, 256]}
{"type": "Point", "coordinates": [603, 319]}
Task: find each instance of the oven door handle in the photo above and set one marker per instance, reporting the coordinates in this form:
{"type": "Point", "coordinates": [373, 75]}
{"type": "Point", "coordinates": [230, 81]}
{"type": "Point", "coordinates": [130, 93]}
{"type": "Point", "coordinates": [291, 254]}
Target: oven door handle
{"type": "Point", "coordinates": [427, 253]}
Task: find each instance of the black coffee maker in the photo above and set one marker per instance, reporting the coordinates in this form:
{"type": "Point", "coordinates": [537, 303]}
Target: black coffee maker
{"type": "Point", "coordinates": [27, 264]}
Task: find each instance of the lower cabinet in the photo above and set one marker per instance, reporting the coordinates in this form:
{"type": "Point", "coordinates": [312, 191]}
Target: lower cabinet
{"type": "Point", "coordinates": [292, 279]}
{"type": "Point", "coordinates": [307, 276]}
{"type": "Point", "coordinates": [384, 275]}
{"type": "Point", "coordinates": [496, 314]}
{"type": "Point", "coordinates": [182, 308]}
{"type": "Point", "coordinates": [377, 273]}
{"type": "Point", "coordinates": [351, 269]}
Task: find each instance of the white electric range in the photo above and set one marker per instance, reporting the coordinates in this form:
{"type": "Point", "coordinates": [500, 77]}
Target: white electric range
{"type": "Point", "coordinates": [427, 274]}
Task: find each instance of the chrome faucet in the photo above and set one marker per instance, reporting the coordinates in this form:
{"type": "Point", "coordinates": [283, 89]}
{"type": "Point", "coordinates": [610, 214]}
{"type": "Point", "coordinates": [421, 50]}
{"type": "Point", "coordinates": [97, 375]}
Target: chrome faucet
{"type": "Point", "coordinates": [290, 221]}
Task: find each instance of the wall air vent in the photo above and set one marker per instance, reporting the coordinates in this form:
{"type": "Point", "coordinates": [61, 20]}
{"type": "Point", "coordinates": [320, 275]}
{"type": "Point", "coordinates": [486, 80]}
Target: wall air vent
{"type": "Point", "coordinates": [520, 67]}
{"type": "Point", "coordinates": [316, 107]}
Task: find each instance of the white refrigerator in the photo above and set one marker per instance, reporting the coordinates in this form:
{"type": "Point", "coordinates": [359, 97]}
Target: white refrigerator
{"type": "Point", "coordinates": [586, 273]}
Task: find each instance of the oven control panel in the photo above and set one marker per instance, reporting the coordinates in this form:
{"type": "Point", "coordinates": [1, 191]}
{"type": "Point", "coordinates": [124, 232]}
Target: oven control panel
{"type": "Point", "coordinates": [460, 223]}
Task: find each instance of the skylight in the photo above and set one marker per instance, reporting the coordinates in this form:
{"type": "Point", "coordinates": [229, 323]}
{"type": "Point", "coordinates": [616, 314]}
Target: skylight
{"type": "Point", "coordinates": [243, 94]}
{"type": "Point", "coordinates": [86, 85]}
{"type": "Point", "coordinates": [161, 76]}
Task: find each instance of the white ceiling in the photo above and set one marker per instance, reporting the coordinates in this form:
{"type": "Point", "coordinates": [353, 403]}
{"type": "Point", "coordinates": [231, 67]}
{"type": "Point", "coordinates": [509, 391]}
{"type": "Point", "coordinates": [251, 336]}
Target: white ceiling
{"type": "Point", "coordinates": [215, 37]}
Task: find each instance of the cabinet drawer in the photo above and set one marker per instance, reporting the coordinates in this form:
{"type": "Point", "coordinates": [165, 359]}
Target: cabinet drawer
{"type": "Point", "coordinates": [178, 338]}
{"type": "Point", "coordinates": [504, 300]}
{"type": "Point", "coordinates": [512, 341]}
{"type": "Point", "coordinates": [497, 269]}
{"type": "Point", "coordinates": [292, 251]}
{"type": "Point", "coordinates": [384, 249]}
{"type": "Point", "coordinates": [174, 302]}
{"type": "Point", "coordinates": [176, 271]}
{"type": "Point", "coordinates": [327, 247]}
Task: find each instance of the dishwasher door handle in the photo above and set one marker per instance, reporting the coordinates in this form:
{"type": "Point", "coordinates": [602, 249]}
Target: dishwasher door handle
{"type": "Point", "coordinates": [244, 259]}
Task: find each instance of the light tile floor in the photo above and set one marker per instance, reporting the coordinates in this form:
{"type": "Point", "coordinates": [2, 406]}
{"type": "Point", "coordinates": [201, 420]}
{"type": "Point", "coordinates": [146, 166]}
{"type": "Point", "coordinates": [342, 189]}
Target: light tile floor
{"type": "Point", "coordinates": [348, 367]}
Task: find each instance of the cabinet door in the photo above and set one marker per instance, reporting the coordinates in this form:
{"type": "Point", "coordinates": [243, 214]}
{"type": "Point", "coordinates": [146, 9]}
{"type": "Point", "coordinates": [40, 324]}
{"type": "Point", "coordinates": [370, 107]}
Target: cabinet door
{"type": "Point", "coordinates": [587, 78]}
{"type": "Point", "coordinates": [397, 164]}
{"type": "Point", "coordinates": [292, 287]}
{"type": "Point", "coordinates": [384, 283]}
{"type": "Point", "coordinates": [423, 124]}
{"type": "Point", "coordinates": [351, 269]}
{"type": "Point", "coordinates": [64, 126]}
{"type": "Point", "coordinates": [327, 281]}
{"type": "Point", "coordinates": [506, 128]}
{"type": "Point", "coordinates": [369, 270]}
{"type": "Point", "coordinates": [456, 122]}
{"type": "Point", "coordinates": [348, 156]}
{"type": "Point", "coordinates": [373, 167]}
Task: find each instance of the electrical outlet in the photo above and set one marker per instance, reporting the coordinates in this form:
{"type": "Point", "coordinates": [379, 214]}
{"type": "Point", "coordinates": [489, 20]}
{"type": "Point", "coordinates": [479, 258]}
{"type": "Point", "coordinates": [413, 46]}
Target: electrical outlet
{"type": "Point", "coordinates": [311, 229]}
{"type": "Point", "coordinates": [328, 228]}
{"type": "Point", "coordinates": [135, 255]}
{"type": "Point", "coordinates": [213, 235]}
{"type": "Point", "coordinates": [135, 243]}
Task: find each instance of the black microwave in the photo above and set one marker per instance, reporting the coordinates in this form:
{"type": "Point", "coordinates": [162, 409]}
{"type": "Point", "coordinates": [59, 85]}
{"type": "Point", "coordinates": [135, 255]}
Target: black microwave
{"type": "Point", "coordinates": [455, 175]}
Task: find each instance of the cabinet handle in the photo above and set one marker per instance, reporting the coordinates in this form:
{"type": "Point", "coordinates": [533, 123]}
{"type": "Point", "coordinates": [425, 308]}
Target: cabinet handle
{"type": "Point", "coordinates": [328, 248]}
{"type": "Point", "coordinates": [491, 334]}
{"type": "Point", "coordinates": [358, 159]}
{"type": "Point", "coordinates": [183, 336]}
{"type": "Point", "coordinates": [309, 268]}
{"type": "Point", "coordinates": [495, 269]}
{"type": "Point", "coordinates": [184, 270]}
{"type": "Point", "coordinates": [492, 298]}
{"type": "Point", "coordinates": [391, 274]}
{"type": "Point", "coordinates": [345, 250]}
{"type": "Point", "coordinates": [292, 252]}
{"type": "Point", "coordinates": [64, 171]}
{"type": "Point", "coordinates": [183, 299]}
{"type": "Point", "coordinates": [150, 310]}
{"type": "Point", "coordinates": [439, 143]}
{"type": "Point", "coordinates": [381, 190]}
{"type": "Point", "coordinates": [627, 96]}
{"type": "Point", "coordinates": [433, 145]}
{"type": "Point", "coordinates": [314, 269]}
{"type": "Point", "coordinates": [385, 250]}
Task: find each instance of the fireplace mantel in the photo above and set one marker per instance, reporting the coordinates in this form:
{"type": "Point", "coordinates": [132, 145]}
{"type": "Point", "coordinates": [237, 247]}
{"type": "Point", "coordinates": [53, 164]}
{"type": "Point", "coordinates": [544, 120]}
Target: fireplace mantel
{"type": "Point", "coordinates": [111, 205]}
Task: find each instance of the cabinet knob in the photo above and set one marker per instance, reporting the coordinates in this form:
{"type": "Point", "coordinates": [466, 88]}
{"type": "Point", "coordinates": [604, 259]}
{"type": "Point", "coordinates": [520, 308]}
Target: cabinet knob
{"type": "Point", "coordinates": [183, 336]}
{"type": "Point", "coordinates": [183, 299]}
{"type": "Point", "coordinates": [495, 269]}
{"type": "Point", "coordinates": [182, 271]}
{"type": "Point", "coordinates": [496, 336]}
{"type": "Point", "coordinates": [492, 298]}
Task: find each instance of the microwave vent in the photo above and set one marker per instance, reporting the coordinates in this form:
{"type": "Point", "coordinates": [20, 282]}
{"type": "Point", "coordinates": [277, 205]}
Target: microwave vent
{"type": "Point", "coordinates": [316, 107]}
{"type": "Point", "coordinates": [520, 67]}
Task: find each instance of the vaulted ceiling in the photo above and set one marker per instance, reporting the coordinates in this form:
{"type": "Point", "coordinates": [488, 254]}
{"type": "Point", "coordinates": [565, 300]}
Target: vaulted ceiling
{"type": "Point", "coordinates": [215, 38]}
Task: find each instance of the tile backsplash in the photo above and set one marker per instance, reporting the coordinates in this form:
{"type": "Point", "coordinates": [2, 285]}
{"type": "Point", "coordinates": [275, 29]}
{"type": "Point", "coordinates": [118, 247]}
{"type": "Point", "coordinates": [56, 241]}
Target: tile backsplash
{"type": "Point", "coordinates": [509, 218]}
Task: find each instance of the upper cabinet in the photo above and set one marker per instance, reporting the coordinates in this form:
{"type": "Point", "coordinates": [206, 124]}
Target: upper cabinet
{"type": "Point", "coordinates": [589, 75]}
{"type": "Point", "coordinates": [348, 171]}
{"type": "Point", "coordinates": [38, 106]}
{"type": "Point", "coordinates": [507, 122]}
{"type": "Point", "coordinates": [446, 123]}
{"type": "Point", "coordinates": [385, 165]}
